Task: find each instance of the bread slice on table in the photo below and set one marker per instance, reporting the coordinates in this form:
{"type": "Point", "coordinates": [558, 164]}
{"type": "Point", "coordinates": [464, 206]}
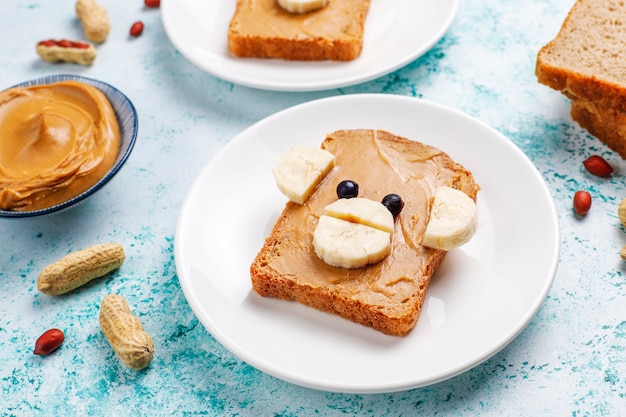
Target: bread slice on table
{"type": "Point", "coordinates": [387, 296]}
{"type": "Point", "coordinates": [585, 62]}
{"type": "Point", "coordinates": [586, 58]}
{"type": "Point", "coordinates": [263, 29]}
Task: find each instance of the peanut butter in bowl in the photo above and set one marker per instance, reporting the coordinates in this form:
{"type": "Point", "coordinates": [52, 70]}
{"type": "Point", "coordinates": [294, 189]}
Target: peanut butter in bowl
{"type": "Point", "coordinates": [59, 141]}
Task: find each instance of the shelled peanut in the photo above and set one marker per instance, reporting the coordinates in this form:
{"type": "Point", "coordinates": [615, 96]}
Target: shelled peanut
{"type": "Point", "coordinates": [80, 267]}
{"type": "Point", "coordinates": [582, 202]}
{"type": "Point", "coordinates": [48, 342]}
{"type": "Point", "coordinates": [136, 29]}
{"type": "Point", "coordinates": [125, 333]}
{"type": "Point", "coordinates": [598, 166]}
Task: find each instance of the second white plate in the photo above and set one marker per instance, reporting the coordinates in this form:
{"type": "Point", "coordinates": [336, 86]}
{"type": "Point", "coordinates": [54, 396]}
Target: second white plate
{"type": "Point", "coordinates": [396, 33]}
{"type": "Point", "coordinates": [480, 299]}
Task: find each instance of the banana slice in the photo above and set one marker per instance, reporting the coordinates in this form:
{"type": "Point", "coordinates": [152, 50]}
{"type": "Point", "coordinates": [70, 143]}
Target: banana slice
{"type": "Point", "coordinates": [298, 171]}
{"type": "Point", "coordinates": [452, 220]}
{"type": "Point", "coordinates": [302, 6]}
{"type": "Point", "coordinates": [362, 210]}
{"type": "Point", "coordinates": [353, 233]}
{"type": "Point", "coordinates": [344, 244]}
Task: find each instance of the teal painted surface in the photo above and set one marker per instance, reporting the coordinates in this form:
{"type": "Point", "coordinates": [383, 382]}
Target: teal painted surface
{"type": "Point", "coordinates": [569, 361]}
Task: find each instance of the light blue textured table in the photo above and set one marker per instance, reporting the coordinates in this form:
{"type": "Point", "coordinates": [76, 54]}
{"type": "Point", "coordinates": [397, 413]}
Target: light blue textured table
{"type": "Point", "coordinates": [569, 361]}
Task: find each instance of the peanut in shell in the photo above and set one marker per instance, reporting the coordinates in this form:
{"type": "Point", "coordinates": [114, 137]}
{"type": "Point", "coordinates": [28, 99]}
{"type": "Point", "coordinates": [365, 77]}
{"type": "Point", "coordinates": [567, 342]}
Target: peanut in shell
{"type": "Point", "coordinates": [80, 267]}
{"type": "Point", "coordinates": [124, 332]}
{"type": "Point", "coordinates": [95, 20]}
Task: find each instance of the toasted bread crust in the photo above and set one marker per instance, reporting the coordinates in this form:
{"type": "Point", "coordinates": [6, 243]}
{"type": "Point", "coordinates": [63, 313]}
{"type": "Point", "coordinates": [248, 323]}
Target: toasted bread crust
{"type": "Point", "coordinates": [578, 86]}
{"type": "Point", "coordinates": [339, 41]}
{"type": "Point", "coordinates": [294, 50]}
{"type": "Point", "coordinates": [268, 284]}
{"type": "Point", "coordinates": [373, 300]}
{"type": "Point", "coordinates": [605, 123]}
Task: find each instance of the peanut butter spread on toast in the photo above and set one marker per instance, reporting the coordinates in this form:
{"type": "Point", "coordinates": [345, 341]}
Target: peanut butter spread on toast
{"type": "Point", "coordinates": [381, 163]}
{"type": "Point", "coordinates": [263, 29]}
{"type": "Point", "coordinates": [268, 18]}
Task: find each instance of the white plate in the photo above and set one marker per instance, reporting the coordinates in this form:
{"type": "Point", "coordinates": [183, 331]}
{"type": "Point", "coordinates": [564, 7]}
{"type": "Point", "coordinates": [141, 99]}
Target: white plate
{"type": "Point", "coordinates": [396, 33]}
{"type": "Point", "coordinates": [482, 297]}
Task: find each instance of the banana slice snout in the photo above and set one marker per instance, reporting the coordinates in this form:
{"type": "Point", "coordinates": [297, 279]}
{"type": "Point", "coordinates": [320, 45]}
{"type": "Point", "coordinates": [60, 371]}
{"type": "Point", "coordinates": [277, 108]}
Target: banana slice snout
{"type": "Point", "coordinates": [299, 170]}
{"type": "Point", "coordinates": [452, 220]}
{"type": "Point", "coordinates": [302, 6]}
{"type": "Point", "coordinates": [353, 232]}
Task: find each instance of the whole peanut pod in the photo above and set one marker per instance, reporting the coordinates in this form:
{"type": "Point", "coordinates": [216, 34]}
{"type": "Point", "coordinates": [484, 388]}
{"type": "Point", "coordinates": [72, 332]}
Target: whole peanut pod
{"type": "Point", "coordinates": [95, 20]}
{"type": "Point", "coordinates": [80, 267]}
{"type": "Point", "coordinates": [125, 333]}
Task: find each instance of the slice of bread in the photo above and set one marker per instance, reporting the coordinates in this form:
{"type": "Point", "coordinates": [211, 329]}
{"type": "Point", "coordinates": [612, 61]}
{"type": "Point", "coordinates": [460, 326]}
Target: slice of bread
{"type": "Point", "coordinates": [388, 295]}
{"type": "Point", "coordinates": [585, 62]}
{"type": "Point", "coordinates": [262, 29]}
{"type": "Point", "coordinates": [586, 58]}
{"type": "Point", "coordinates": [607, 124]}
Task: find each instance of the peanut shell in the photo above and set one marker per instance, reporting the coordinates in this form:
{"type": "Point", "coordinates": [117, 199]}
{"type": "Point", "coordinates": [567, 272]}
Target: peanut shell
{"type": "Point", "coordinates": [125, 333]}
{"type": "Point", "coordinates": [55, 53]}
{"type": "Point", "coordinates": [80, 267]}
{"type": "Point", "coordinates": [621, 212]}
{"type": "Point", "coordinates": [95, 20]}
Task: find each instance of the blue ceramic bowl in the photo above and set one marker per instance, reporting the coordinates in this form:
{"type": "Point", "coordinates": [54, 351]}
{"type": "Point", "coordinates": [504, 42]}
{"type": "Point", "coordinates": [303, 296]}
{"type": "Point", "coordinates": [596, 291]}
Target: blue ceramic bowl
{"type": "Point", "coordinates": [127, 120]}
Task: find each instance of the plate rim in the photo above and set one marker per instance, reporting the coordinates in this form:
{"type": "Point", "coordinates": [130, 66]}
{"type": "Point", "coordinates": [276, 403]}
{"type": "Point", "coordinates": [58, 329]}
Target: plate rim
{"type": "Point", "coordinates": [356, 78]}
{"type": "Point", "coordinates": [371, 388]}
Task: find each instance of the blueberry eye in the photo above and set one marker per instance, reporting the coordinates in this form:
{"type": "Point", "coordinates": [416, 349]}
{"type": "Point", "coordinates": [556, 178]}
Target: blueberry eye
{"type": "Point", "coordinates": [347, 189]}
{"type": "Point", "coordinates": [394, 204]}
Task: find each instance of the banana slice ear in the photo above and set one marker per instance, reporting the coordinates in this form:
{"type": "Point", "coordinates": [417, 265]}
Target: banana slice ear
{"type": "Point", "coordinates": [298, 171]}
{"type": "Point", "coordinates": [453, 220]}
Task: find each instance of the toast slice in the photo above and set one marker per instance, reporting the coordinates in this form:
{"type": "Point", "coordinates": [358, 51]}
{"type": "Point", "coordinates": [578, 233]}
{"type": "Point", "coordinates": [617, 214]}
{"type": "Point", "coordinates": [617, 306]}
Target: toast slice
{"type": "Point", "coordinates": [609, 125]}
{"type": "Point", "coordinates": [586, 58]}
{"type": "Point", "coordinates": [387, 296]}
{"type": "Point", "coordinates": [262, 29]}
{"type": "Point", "coordinates": [585, 63]}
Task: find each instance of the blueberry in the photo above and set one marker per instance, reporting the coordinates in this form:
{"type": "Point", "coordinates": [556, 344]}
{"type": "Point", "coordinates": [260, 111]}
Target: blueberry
{"type": "Point", "coordinates": [347, 189]}
{"type": "Point", "coordinates": [394, 204]}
